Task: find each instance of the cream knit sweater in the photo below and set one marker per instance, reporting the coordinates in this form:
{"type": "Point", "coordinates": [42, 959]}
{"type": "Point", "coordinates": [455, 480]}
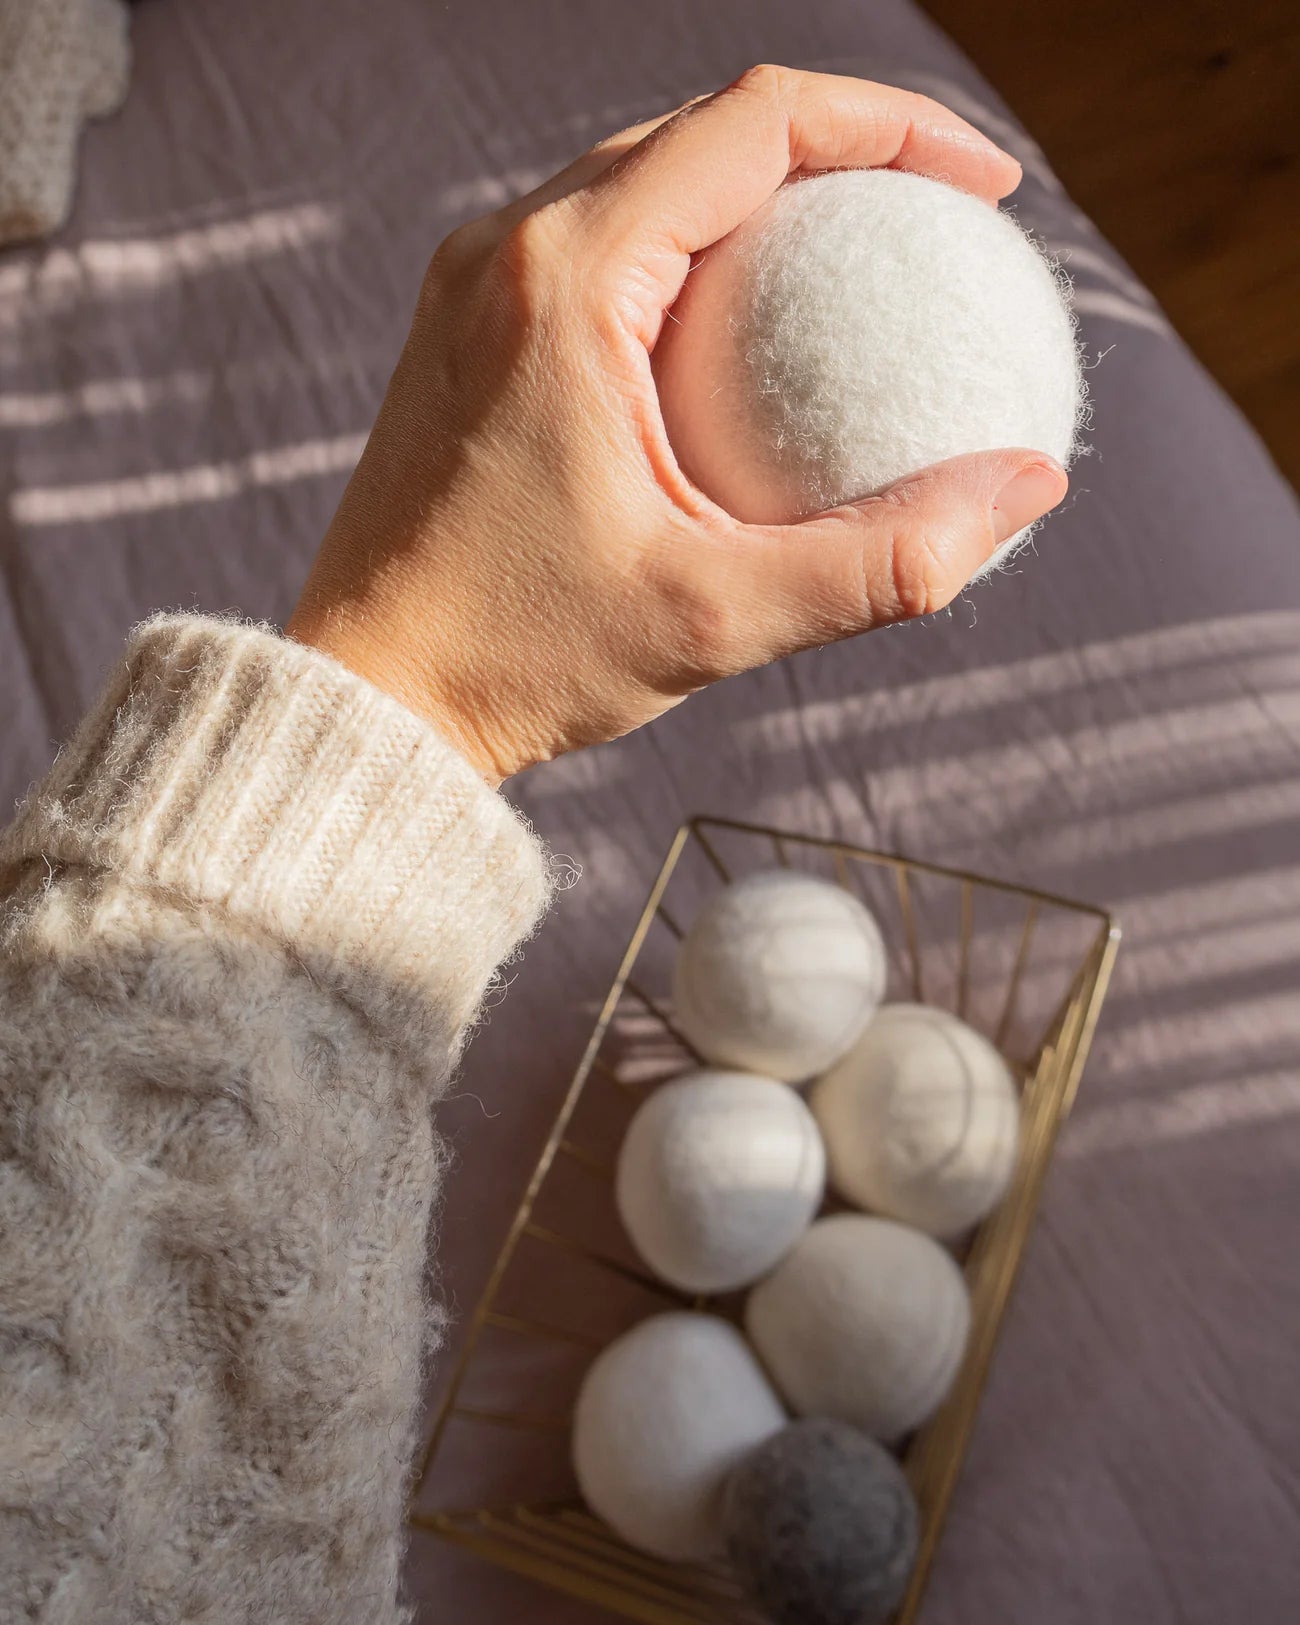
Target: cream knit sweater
{"type": "Point", "coordinates": [245, 923]}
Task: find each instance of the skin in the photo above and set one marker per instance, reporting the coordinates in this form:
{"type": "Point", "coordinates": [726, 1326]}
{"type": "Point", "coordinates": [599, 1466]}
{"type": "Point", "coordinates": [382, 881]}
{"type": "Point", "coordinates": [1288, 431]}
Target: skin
{"type": "Point", "coordinates": [518, 557]}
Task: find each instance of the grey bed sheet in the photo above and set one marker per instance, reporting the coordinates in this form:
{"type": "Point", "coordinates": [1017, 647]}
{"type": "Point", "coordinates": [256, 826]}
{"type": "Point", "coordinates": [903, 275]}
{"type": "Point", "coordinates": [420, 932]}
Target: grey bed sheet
{"type": "Point", "coordinates": [186, 376]}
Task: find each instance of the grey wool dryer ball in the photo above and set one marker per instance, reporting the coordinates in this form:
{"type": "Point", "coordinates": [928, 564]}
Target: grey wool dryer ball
{"type": "Point", "coordinates": [859, 326]}
{"type": "Point", "coordinates": [821, 1526]}
{"type": "Point", "coordinates": [778, 974]}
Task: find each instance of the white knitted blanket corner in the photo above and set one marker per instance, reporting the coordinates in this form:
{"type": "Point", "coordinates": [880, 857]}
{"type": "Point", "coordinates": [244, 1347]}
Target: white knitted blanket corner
{"type": "Point", "coordinates": [61, 62]}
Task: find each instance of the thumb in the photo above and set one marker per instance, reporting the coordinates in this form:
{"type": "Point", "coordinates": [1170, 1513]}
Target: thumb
{"type": "Point", "coordinates": [902, 554]}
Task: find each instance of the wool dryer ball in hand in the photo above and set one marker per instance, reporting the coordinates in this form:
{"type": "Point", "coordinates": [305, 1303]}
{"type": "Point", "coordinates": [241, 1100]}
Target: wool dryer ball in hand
{"type": "Point", "coordinates": [821, 1525]}
{"type": "Point", "coordinates": [664, 1414]}
{"type": "Point", "coordinates": [860, 326]}
{"type": "Point", "coordinates": [778, 974]}
{"type": "Point", "coordinates": [921, 1119]}
{"type": "Point", "coordinates": [865, 1321]}
{"type": "Point", "coordinates": [719, 1174]}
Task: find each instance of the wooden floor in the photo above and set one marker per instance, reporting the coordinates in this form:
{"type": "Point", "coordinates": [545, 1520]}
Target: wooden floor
{"type": "Point", "coordinates": [1176, 125]}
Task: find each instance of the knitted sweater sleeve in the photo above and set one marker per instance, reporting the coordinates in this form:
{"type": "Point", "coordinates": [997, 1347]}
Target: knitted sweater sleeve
{"type": "Point", "coordinates": [245, 923]}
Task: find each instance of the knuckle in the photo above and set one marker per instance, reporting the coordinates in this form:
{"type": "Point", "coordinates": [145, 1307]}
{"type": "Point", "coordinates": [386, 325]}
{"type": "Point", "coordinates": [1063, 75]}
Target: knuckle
{"type": "Point", "coordinates": [527, 248]}
{"type": "Point", "coordinates": [443, 269]}
{"type": "Point", "coordinates": [702, 623]}
{"type": "Point", "coordinates": [910, 587]}
{"type": "Point", "coordinates": [459, 246]}
{"type": "Point", "coordinates": [764, 79]}
{"type": "Point", "coordinates": [920, 580]}
{"type": "Point", "coordinates": [914, 574]}
{"type": "Point", "coordinates": [712, 630]}
{"type": "Point", "coordinates": [528, 258]}
{"type": "Point", "coordinates": [705, 637]}
{"type": "Point", "coordinates": [455, 261]}
{"type": "Point", "coordinates": [926, 107]}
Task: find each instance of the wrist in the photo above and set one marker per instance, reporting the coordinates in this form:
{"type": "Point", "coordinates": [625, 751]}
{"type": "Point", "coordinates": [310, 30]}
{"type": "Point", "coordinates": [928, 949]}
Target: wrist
{"type": "Point", "coordinates": [373, 653]}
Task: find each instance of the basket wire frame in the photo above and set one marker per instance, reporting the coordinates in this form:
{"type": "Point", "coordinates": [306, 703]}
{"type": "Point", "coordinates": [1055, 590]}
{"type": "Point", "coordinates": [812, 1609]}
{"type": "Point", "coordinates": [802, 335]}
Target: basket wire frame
{"type": "Point", "coordinates": [560, 1543]}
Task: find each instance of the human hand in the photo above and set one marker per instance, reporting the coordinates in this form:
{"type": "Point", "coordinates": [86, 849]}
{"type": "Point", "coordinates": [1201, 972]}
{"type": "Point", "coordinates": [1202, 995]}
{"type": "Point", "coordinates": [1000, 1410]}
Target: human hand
{"type": "Point", "coordinates": [518, 556]}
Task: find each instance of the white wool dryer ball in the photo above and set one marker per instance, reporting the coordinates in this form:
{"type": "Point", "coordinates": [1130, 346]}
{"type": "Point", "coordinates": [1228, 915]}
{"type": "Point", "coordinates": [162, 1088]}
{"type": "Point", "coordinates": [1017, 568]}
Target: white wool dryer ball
{"type": "Point", "coordinates": [664, 1414]}
{"type": "Point", "coordinates": [778, 974]}
{"type": "Point", "coordinates": [865, 1321]}
{"type": "Point", "coordinates": [859, 326]}
{"type": "Point", "coordinates": [921, 1120]}
{"type": "Point", "coordinates": [719, 1174]}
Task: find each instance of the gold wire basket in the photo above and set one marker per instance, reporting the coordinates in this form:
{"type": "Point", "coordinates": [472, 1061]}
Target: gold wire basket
{"type": "Point", "coordinates": [1027, 968]}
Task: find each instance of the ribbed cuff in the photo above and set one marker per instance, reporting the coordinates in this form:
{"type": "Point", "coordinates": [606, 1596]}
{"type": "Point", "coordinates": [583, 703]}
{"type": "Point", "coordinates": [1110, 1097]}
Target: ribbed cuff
{"type": "Point", "coordinates": [243, 772]}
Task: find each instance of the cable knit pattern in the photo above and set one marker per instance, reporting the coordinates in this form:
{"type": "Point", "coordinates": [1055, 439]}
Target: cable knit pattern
{"type": "Point", "coordinates": [61, 62]}
{"type": "Point", "coordinates": [244, 923]}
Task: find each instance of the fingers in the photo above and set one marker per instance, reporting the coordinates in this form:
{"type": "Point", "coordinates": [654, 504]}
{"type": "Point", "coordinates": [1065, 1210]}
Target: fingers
{"type": "Point", "coordinates": [584, 169]}
{"type": "Point", "coordinates": [889, 558]}
{"type": "Point", "coordinates": [697, 175]}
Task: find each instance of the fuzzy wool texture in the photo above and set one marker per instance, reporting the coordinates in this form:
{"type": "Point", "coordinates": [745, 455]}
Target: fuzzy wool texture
{"type": "Point", "coordinates": [244, 924]}
{"type": "Point", "coordinates": [821, 1525]}
{"type": "Point", "coordinates": [778, 974]}
{"type": "Point", "coordinates": [858, 327]}
{"type": "Point", "coordinates": [718, 1176]}
{"type": "Point", "coordinates": [665, 1413]}
{"type": "Point", "coordinates": [864, 1321]}
{"type": "Point", "coordinates": [61, 62]}
{"type": "Point", "coordinates": [921, 1120]}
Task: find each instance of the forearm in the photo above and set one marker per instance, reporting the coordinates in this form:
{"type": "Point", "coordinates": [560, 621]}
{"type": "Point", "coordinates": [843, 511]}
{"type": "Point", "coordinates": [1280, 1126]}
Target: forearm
{"type": "Point", "coordinates": [243, 927]}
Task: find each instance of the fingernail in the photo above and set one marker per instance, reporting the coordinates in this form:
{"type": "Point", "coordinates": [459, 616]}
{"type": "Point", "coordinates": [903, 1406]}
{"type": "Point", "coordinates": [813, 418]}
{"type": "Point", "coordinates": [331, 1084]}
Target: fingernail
{"type": "Point", "coordinates": [1027, 497]}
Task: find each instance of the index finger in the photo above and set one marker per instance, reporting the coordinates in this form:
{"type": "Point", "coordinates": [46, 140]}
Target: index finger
{"type": "Point", "coordinates": [695, 177]}
{"type": "Point", "coordinates": [584, 169]}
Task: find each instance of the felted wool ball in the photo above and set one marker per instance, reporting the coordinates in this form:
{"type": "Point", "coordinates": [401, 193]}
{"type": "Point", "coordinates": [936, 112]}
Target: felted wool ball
{"type": "Point", "coordinates": [778, 974]}
{"type": "Point", "coordinates": [860, 326]}
{"type": "Point", "coordinates": [921, 1119]}
{"type": "Point", "coordinates": [821, 1524]}
{"type": "Point", "coordinates": [864, 1320]}
{"type": "Point", "coordinates": [719, 1174]}
{"type": "Point", "coordinates": [664, 1414]}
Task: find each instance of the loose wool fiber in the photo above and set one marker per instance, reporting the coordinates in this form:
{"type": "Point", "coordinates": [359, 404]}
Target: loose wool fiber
{"type": "Point", "coordinates": [719, 1174]}
{"type": "Point", "coordinates": [920, 1119]}
{"type": "Point", "coordinates": [778, 974]}
{"type": "Point", "coordinates": [860, 326]}
{"type": "Point", "coordinates": [664, 1414]}
{"type": "Point", "coordinates": [864, 1321]}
